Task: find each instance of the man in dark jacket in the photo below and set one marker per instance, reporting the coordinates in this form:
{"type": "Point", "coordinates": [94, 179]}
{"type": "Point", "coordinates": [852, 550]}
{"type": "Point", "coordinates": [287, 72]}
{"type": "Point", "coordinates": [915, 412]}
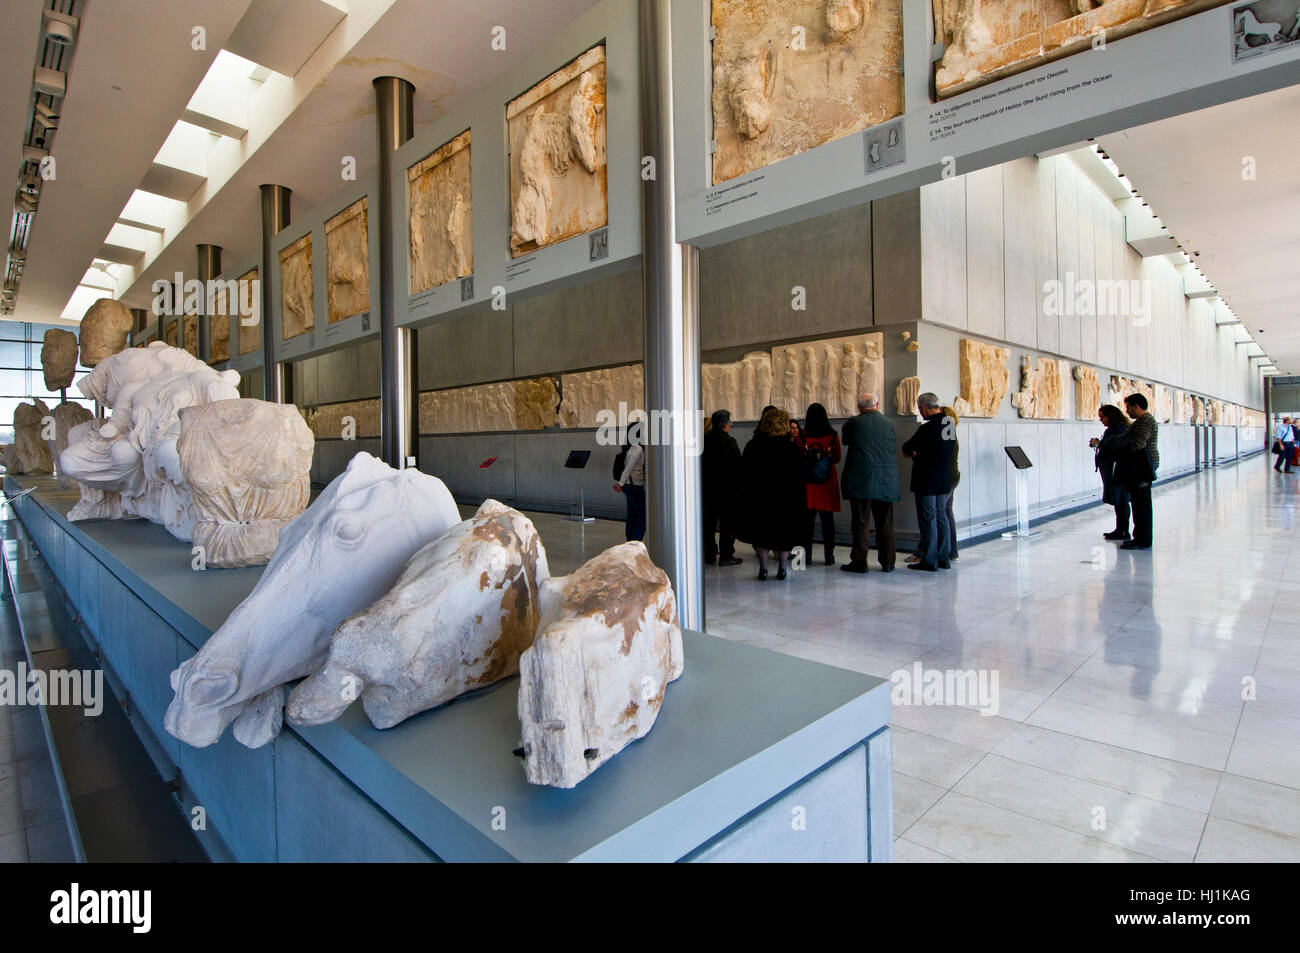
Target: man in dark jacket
{"type": "Point", "coordinates": [931, 449]}
{"type": "Point", "coordinates": [720, 479]}
{"type": "Point", "coordinates": [1137, 460]}
{"type": "Point", "coordinates": [870, 482]}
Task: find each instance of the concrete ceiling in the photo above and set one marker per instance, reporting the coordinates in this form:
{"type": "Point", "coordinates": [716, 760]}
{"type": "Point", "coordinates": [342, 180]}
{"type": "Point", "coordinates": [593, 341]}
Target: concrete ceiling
{"type": "Point", "coordinates": [1190, 169]}
{"type": "Point", "coordinates": [108, 137]}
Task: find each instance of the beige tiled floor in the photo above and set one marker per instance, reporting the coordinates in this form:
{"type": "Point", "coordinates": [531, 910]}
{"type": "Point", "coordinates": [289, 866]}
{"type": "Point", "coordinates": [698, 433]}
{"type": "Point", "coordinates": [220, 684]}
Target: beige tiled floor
{"type": "Point", "coordinates": [1122, 733]}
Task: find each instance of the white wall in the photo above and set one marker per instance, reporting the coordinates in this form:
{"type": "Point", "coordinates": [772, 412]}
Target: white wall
{"type": "Point", "coordinates": [992, 238]}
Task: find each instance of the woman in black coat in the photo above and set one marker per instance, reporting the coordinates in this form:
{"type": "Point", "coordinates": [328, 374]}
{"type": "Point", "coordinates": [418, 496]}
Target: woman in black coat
{"type": "Point", "coordinates": [772, 492]}
{"type": "Point", "coordinates": [1104, 460]}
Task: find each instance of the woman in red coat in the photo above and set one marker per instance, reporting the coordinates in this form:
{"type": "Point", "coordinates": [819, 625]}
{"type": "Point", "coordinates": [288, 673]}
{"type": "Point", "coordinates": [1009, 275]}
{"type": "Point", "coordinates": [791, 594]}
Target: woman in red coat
{"type": "Point", "coordinates": [820, 442]}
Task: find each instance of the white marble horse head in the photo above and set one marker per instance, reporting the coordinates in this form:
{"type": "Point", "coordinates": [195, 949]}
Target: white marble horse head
{"type": "Point", "coordinates": [342, 554]}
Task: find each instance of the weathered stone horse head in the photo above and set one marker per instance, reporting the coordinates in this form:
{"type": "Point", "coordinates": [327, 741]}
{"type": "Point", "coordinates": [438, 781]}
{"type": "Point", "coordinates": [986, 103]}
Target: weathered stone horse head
{"type": "Point", "coordinates": [343, 553]}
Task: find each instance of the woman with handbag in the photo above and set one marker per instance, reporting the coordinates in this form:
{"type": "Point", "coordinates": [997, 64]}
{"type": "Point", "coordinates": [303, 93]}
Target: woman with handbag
{"type": "Point", "coordinates": [821, 453]}
{"type": "Point", "coordinates": [1111, 491]}
{"type": "Point", "coordinates": [771, 492]}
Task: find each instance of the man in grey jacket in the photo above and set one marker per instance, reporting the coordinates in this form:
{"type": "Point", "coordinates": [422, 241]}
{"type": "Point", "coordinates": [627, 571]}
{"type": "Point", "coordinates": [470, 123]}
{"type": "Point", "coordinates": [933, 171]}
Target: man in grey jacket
{"type": "Point", "coordinates": [1136, 465]}
{"type": "Point", "coordinates": [870, 482]}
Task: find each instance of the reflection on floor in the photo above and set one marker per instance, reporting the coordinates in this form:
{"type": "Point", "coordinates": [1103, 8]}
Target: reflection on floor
{"type": "Point", "coordinates": [1121, 733]}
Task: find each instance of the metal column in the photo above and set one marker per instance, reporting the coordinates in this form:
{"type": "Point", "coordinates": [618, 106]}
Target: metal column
{"type": "Point", "coordinates": [394, 124]}
{"type": "Point", "coordinates": [209, 269]}
{"type": "Point", "coordinates": [670, 284]}
{"type": "Point", "coordinates": [275, 217]}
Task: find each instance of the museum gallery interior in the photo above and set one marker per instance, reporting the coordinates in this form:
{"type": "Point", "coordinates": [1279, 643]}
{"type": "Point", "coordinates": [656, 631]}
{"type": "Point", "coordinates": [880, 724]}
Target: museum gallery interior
{"type": "Point", "coordinates": [438, 431]}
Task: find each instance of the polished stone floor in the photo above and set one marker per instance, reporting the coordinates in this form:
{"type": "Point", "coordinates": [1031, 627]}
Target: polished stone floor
{"type": "Point", "coordinates": [1122, 733]}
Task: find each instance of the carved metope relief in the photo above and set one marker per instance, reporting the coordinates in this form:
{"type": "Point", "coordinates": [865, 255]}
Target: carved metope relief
{"type": "Point", "coordinates": [558, 175]}
{"type": "Point", "coordinates": [219, 324]}
{"type": "Point", "coordinates": [790, 75]}
{"type": "Point", "coordinates": [347, 257]}
{"type": "Point", "coordinates": [442, 234]}
{"type": "Point", "coordinates": [296, 315]}
{"type": "Point", "coordinates": [528, 404]}
{"type": "Point", "coordinates": [1163, 407]}
{"type": "Point", "coordinates": [1042, 389]}
{"type": "Point", "coordinates": [831, 372]}
{"type": "Point", "coordinates": [1087, 393]}
{"type": "Point", "coordinates": [987, 39]}
{"type": "Point", "coordinates": [983, 376]}
{"type": "Point", "coordinates": [249, 307]}
{"type": "Point", "coordinates": [190, 327]}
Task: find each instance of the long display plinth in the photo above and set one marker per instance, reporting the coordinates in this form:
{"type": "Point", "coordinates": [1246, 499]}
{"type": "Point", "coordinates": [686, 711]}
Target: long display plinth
{"type": "Point", "coordinates": [755, 756]}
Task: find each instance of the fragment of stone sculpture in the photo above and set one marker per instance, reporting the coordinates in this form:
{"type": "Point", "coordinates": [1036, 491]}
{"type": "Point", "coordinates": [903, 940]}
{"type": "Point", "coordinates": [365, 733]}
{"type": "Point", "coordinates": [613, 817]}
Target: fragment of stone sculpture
{"type": "Point", "coordinates": [58, 358]}
{"type": "Point", "coordinates": [247, 464]}
{"type": "Point", "coordinates": [66, 415]}
{"type": "Point", "coordinates": [104, 330]}
{"type": "Point", "coordinates": [458, 618]}
{"type": "Point", "coordinates": [133, 453]}
{"type": "Point", "coordinates": [340, 556]}
{"type": "Point", "coordinates": [31, 451]}
{"type": "Point", "coordinates": [593, 681]}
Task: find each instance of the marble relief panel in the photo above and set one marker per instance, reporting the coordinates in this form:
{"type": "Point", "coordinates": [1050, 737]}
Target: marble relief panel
{"type": "Point", "coordinates": [442, 234]}
{"type": "Point", "coordinates": [743, 387]}
{"type": "Point", "coordinates": [587, 393]}
{"type": "Point", "coordinates": [558, 174]}
{"type": "Point", "coordinates": [983, 377]}
{"type": "Point", "coordinates": [985, 40]}
{"type": "Point", "coordinates": [296, 315]}
{"type": "Point", "coordinates": [830, 371]}
{"type": "Point", "coordinates": [790, 75]}
{"type": "Point", "coordinates": [347, 258]}
{"type": "Point", "coordinates": [248, 307]}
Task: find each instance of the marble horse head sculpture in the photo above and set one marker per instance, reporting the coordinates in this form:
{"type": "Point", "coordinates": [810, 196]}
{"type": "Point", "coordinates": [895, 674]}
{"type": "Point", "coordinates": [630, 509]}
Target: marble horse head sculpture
{"type": "Point", "coordinates": [342, 554]}
{"type": "Point", "coordinates": [460, 615]}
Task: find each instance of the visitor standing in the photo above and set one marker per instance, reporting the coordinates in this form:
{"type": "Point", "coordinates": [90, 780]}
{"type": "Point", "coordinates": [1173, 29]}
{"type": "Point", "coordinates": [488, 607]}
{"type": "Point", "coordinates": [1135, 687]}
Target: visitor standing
{"type": "Point", "coordinates": [821, 455]}
{"type": "Point", "coordinates": [870, 482]}
{"type": "Point", "coordinates": [1111, 492]}
{"type": "Point", "coordinates": [632, 485]}
{"type": "Point", "coordinates": [720, 479]}
{"type": "Point", "coordinates": [772, 492]}
{"type": "Point", "coordinates": [1137, 459]}
{"type": "Point", "coordinates": [1284, 436]}
{"type": "Point", "coordinates": [931, 449]}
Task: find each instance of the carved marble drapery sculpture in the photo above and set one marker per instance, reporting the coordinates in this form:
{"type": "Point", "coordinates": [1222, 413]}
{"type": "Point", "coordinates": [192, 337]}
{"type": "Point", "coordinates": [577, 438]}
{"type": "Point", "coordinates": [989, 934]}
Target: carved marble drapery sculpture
{"type": "Point", "coordinates": [66, 416]}
{"type": "Point", "coordinates": [905, 395]}
{"type": "Point", "coordinates": [1087, 393]}
{"type": "Point", "coordinates": [593, 681]}
{"type": "Point", "coordinates": [442, 232]}
{"type": "Point", "coordinates": [461, 613]}
{"type": "Point", "coordinates": [790, 75]}
{"type": "Point", "coordinates": [831, 371]}
{"type": "Point", "coordinates": [558, 174]}
{"type": "Point", "coordinates": [134, 452]}
{"type": "Point", "coordinates": [983, 376]}
{"type": "Point", "coordinates": [347, 261]}
{"type": "Point", "coordinates": [1042, 389]}
{"type": "Point", "coordinates": [743, 387]}
{"type": "Point", "coordinates": [247, 464]}
{"type": "Point", "coordinates": [296, 314]}
{"type": "Point", "coordinates": [341, 555]}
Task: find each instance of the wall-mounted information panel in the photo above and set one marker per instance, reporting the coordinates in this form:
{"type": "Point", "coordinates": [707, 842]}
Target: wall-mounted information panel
{"type": "Point", "coordinates": [324, 276]}
{"type": "Point", "coordinates": [786, 109]}
{"type": "Point", "coordinates": [533, 182]}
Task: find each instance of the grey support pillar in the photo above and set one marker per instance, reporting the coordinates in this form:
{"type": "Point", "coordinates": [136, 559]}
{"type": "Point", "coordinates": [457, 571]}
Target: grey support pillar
{"type": "Point", "coordinates": [275, 217]}
{"type": "Point", "coordinates": [209, 269]}
{"type": "Point", "coordinates": [670, 282]}
{"type": "Point", "coordinates": [394, 123]}
{"type": "Point", "coordinates": [139, 319]}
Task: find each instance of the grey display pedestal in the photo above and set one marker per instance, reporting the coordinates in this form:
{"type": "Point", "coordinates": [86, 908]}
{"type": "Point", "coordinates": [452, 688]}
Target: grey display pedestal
{"type": "Point", "coordinates": [755, 756]}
